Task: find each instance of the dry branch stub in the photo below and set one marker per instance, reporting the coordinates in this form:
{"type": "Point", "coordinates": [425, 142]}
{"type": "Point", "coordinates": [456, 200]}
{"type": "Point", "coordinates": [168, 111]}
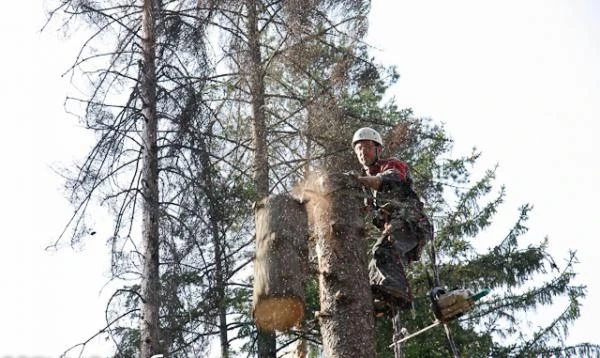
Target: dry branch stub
{"type": "Point", "coordinates": [279, 266]}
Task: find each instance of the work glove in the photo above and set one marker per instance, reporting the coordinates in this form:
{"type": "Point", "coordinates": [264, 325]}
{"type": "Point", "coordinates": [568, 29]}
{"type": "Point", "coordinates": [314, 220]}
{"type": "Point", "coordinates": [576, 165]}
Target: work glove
{"type": "Point", "coordinates": [378, 219]}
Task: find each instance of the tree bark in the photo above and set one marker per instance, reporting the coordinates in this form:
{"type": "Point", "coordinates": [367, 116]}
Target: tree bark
{"type": "Point", "coordinates": [221, 291]}
{"type": "Point", "coordinates": [150, 344]}
{"type": "Point", "coordinates": [346, 313]}
{"type": "Point", "coordinates": [257, 91]}
{"type": "Point", "coordinates": [281, 256]}
{"type": "Point", "coordinates": [267, 346]}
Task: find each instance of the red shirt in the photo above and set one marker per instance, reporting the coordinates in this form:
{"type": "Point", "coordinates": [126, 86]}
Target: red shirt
{"type": "Point", "coordinates": [395, 178]}
{"type": "Point", "coordinates": [390, 166]}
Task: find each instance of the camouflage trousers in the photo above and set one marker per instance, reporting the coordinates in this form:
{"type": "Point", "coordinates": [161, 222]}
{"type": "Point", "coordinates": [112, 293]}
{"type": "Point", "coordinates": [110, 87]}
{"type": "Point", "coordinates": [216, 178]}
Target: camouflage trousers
{"type": "Point", "coordinates": [405, 233]}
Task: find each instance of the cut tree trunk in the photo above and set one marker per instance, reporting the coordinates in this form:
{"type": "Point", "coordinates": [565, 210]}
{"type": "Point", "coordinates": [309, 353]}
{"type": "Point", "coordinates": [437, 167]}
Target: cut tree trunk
{"type": "Point", "coordinates": [279, 267]}
{"type": "Point", "coordinates": [346, 314]}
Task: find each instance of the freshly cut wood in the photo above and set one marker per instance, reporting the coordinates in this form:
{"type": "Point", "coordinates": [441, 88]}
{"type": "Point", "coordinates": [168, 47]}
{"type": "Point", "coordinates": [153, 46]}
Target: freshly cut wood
{"type": "Point", "coordinates": [279, 266]}
{"type": "Point", "coordinates": [278, 313]}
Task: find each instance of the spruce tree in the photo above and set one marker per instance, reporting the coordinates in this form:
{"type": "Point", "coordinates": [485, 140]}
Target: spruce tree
{"type": "Point", "coordinates": [319, 85]}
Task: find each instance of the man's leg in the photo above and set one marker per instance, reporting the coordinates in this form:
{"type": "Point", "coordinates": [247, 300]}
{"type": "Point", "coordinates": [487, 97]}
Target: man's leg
{"type": "Point", "coordinates": [388, 279]}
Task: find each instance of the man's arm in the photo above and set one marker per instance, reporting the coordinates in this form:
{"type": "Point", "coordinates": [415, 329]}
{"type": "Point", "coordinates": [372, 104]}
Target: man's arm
{"type": "Point", "coordinates": [373, 182]}
{"type": "Point", "coordinates": [394, 176]}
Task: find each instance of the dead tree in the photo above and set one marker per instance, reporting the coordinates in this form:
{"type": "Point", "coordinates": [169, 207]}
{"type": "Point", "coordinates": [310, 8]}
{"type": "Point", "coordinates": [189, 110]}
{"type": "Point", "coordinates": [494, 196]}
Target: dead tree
{"type": "Point", "coordinates": [149, 330]}
{"type": "Point", "coordinates": [346, 312]}
{"type": "Point", "coordinates": [281, 258]}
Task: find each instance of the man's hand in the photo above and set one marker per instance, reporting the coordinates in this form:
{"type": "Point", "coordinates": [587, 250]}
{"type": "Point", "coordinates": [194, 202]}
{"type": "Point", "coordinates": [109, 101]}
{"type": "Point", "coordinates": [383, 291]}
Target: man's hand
{"type": "Point", "coordinates": [379, 221]}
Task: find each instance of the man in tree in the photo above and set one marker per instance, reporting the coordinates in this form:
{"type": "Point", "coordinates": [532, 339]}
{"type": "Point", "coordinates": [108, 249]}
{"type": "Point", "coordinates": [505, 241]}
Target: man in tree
{"type": "Point", "coordinates": [398, 212]}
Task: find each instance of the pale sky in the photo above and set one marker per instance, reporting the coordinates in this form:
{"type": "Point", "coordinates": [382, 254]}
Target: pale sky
{"type": "Point", "coordinates": [517, 79]}
{"type": "Point", "coordinates": [520, 80]}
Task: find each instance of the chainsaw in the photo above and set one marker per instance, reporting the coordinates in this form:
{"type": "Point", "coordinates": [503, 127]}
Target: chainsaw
{"type": "Point", "coordinates": [447, 306]}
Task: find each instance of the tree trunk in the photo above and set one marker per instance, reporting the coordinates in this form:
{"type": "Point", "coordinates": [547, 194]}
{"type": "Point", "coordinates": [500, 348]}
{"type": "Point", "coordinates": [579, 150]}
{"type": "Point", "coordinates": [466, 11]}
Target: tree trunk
{"type": "Point", "coordinates": [215, 212]}
{"type": "Point", "coordinates": [221, 292]}
{"type": "Point", "coordinates": [301, 350]}
{"type": "Point", "coordinates": [266, 340]}
{"type": "Point", "coordinates": [281, 256]}
{"type": "Point", "coordinates": [257, 92]}
{"type": "Point", "coordinates": [346, 313]}
{"type": "Point", "coordinates": [150, 344]}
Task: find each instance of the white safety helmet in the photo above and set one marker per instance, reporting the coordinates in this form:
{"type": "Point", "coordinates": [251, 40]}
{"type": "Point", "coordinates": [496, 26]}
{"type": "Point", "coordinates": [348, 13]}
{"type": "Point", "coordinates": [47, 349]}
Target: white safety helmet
{"type": "Point", "coordinates": [367, 133]}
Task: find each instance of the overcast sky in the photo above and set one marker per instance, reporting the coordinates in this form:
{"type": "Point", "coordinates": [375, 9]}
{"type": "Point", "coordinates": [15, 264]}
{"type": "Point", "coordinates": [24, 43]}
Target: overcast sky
{"type": "Point", "coordinates": [517, 79]}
